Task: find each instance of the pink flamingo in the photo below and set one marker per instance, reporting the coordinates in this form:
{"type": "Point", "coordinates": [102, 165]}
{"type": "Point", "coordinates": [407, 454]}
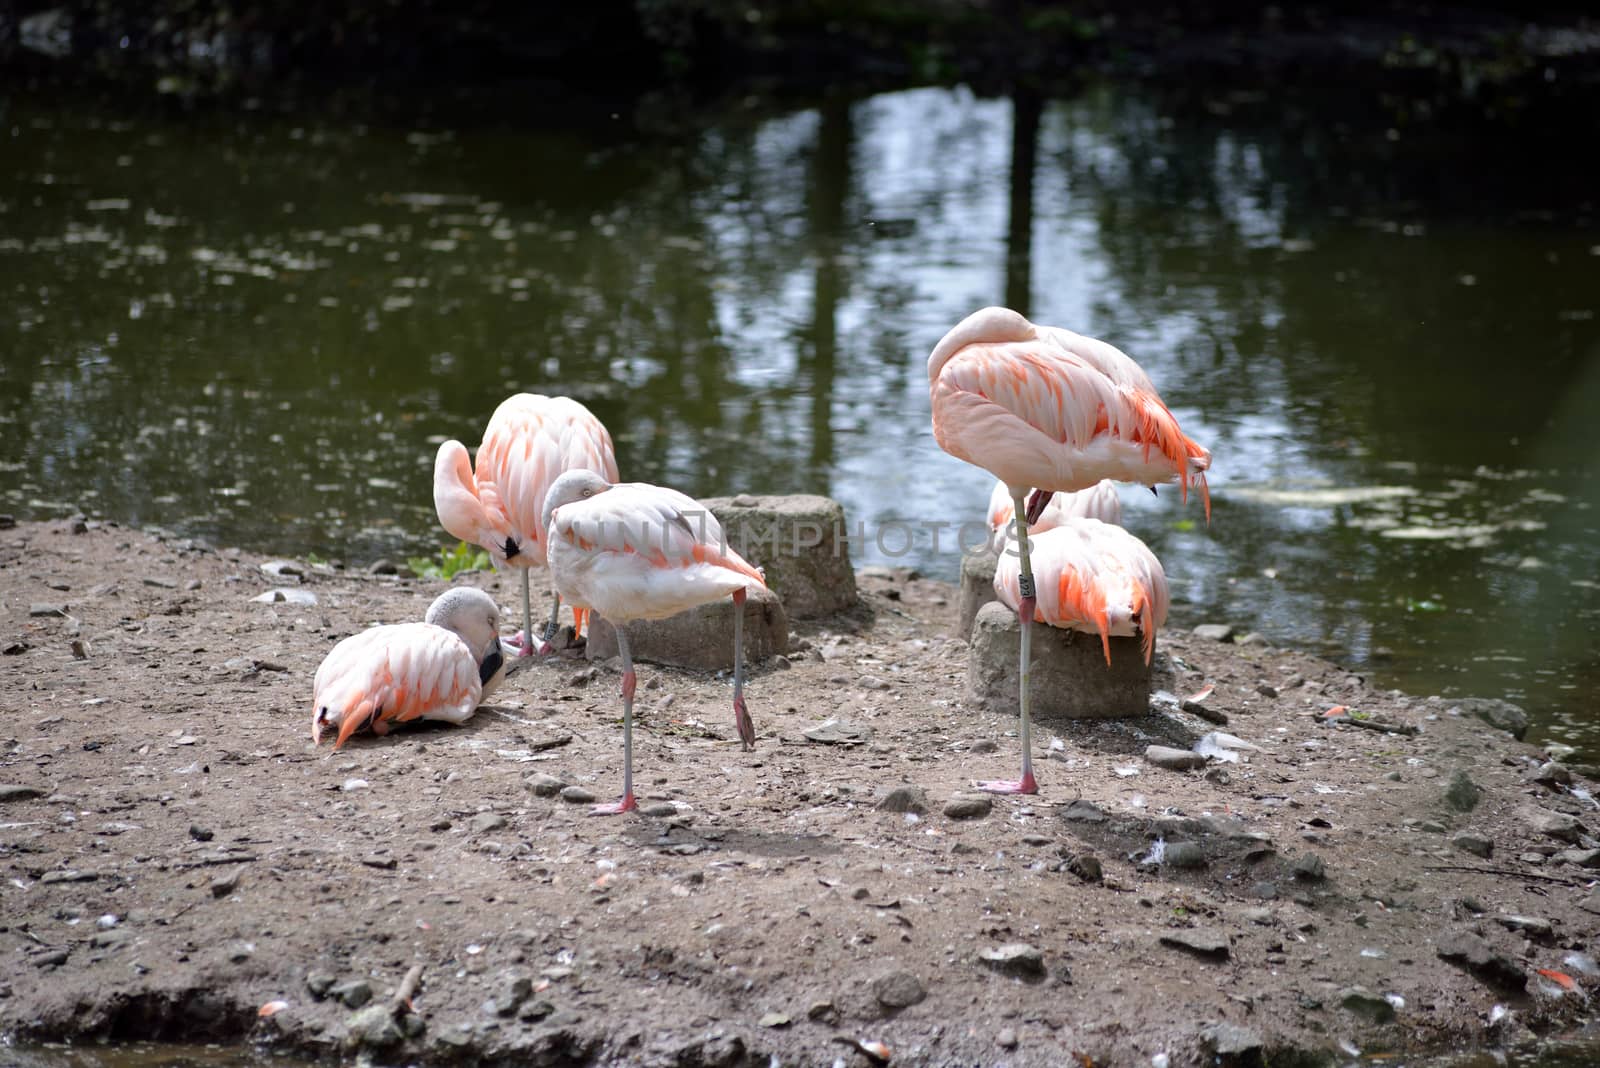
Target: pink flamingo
{"type": "Point", "coordinates": [1099, 501]}
{"type": "Point", "coordinates": [1047, 410]}
{"type": "Point", "coordinates": [1093, 577]}
{"type": "Point", "coordinates": [530, 440]}
{"type": "Point", "coordinates": [637, 551]}
{"type": "Point", "coordinates": [441, 668]}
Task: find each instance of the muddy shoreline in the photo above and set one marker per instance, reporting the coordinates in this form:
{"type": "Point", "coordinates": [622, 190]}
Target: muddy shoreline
{"type": "Point", "coordinates": [174, 855]}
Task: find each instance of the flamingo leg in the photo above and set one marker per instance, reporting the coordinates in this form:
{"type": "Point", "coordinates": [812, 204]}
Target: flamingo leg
{"type": "Point", "coordinates": [554, 625]}
{"type": "Point", "coordinates": [741, 714]}
{"type": "Point", "coordinates": [1025, 785]}
{"type": "Point", "coordinates": [627, 804]}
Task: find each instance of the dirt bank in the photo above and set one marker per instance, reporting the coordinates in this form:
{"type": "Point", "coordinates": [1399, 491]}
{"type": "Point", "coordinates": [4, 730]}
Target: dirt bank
{"type": "Point", "coordinates": [174, 854]}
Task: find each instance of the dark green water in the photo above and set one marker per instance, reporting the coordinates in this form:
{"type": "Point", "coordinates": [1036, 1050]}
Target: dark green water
{"type": "Point", "coordinates": [1379, 314]}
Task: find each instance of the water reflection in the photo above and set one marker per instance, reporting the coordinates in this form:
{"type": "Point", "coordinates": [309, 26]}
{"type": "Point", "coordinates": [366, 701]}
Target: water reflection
{"type": "Point", "coordinates": [257, 328]}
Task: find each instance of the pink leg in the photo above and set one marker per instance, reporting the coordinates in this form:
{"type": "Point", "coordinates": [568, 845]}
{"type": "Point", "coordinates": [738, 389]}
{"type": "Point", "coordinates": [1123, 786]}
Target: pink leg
{"type": "Point", "coordinates": [629, 683]}
{"type": "Point", "coordinates": [1026, 784]}
{"type": "Point", "coordinates": [741, 713]}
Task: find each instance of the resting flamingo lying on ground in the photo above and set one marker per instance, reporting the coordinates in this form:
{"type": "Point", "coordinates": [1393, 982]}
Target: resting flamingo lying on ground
{"type": "Point", "coordinates": [1047, 410]}
{"type": "Point", "coordinates": [636, 551]}
{"type": "Point", "coordinates": [530, 440]}
{"type": "Point", "coordinates": [1099, 501]}
{"type": "Point", "coordinates": [1093, 577]}
{"type": "Point", "coordinates": [441, 668]}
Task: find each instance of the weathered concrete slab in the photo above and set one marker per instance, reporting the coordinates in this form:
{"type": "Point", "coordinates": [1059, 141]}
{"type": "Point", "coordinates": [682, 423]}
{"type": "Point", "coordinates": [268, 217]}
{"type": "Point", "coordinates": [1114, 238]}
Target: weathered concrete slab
{"type": "Point", "coordinates": [977, 588]}
{"type": "Point", "coordinates": [701, 638]}
{"type": "Point", "coordinates": [799, 542]}
{"type": "Point", "coordinates": [1070, 678]}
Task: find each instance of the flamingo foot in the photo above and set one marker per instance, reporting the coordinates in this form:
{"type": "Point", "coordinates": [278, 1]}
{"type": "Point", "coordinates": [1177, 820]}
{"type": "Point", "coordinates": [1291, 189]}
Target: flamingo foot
{"type": "Point", "coordinates": [520, 645]}
{"type": "Point", "coordinates": [1026, 785]}
{"type": "Point", "coordinates": [616, 808]}
{"type": "Point", "coordinates": [745, 725]}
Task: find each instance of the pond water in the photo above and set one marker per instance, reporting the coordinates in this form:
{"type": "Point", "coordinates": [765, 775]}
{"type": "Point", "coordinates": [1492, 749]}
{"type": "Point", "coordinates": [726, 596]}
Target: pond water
{"type": "Point", "coordinates": [1378, 313]}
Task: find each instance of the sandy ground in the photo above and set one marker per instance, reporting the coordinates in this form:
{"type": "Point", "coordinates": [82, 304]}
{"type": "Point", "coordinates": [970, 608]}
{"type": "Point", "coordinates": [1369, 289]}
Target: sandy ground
{"type": "Point", "coordinates": [174, 854]}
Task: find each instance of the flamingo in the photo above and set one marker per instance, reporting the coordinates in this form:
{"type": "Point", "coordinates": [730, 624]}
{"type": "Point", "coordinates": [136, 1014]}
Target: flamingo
{"type": "Point", "coordinates": [1093, 577]}
{"type": "Point", "coordinates": [441, 668]}
{"type": "Point", "coordinates": [636, 551]}
{"type": "Point", "coordinates": [1046, 410]}
{"type": "Point", "coordinates": [530, 440]}
{"type": "Point", "coordinates": [1099, 501]}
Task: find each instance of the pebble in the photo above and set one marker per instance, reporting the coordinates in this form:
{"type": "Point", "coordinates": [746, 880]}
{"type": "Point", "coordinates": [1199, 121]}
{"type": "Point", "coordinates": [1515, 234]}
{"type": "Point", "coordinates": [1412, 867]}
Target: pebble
{"type": "Point", "coordinates": [1163, 756]}
{"type": "Point", "coordinates": [16, 792]}
{"type": "Point", "coordinates": [1462, 793]}
{"type": "Point", "coordinates": [1216, 632]}
{"type": "Point", "coordinates": [319, 983]}
{"type": "Point", "coordinates": [1483, 960]}
{"type": "Point", "coordinates": [1015, 958]}
{"type": "Point", "coordinates": [898, 990]}
{"type": "Point", "coordinates": [223, 885]}
{"type": "Point", "coordinates": [1184, 855]}
{"type": "Point", "coordinates": [354, 994]}
{"type": "Point", "coordinates": [1006, 1039]}
{"type": "Point", "coordinates": [1583, 858]}
{"type": "Point", "coordinates": [484, 822]}
{"type": "Point", "coordinates": [1311, 867]}
{"type": "Point", "coordinates": [1369, 1006]}
{"type": "Point", "coordinates": [545, 785]}
{"type": "Point", "coordinates": [383, 567]}
{"type": "Point", "coordinates": [872, 682]}
{"type": "Point", "coordinates": [286, 596]}
{"type": "Point", "coordinates": [283, 569]}
{"type": "Point", "coordinates": [835, 731]}
{"type": "Point", "coordinates": [968, 806]}
{"type": "Point", "coordinates": [47, 610]}
{"type": "Point", "coordinates": [1205, 941]}
{"type": "Point", "coordinates": [662, 810]}
{"type": "Point", "coordinates": [577, 795]}
{"type": "Point", "coordinates": [1532, 926]}
{"type": "Point", "coordinates": [372, 1028]}
{"type": "Point", "coordinates": [1556, 825]}
{"type": "Point", "coordinates": [904, 799]}
{"type": "Point", "coordinates": [1476, 844]}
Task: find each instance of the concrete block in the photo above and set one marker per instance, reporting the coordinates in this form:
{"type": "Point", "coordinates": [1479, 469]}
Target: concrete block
{"type": "Point", "coordinates": [798, 541]}
{"type": "Point", "coordinates": [1070, 677]}
{"type": "Point", "coordinates": [977, 588]}
{"type": "Point", "coordinates": [701, 638]}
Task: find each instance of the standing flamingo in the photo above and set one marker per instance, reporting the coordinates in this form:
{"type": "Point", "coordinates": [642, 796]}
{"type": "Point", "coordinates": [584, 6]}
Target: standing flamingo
{"type": "Point", "coordinates": [441, 668]}
{"type": "Point", "coordinates": [1099, 501]}
{"type": "Point", "coordinates": [530, 440]}
{"type": "Point", "coordinates": [636, 551]}
{"type": "Point", "coordinates": [1047, 410]}
{"type": "Point", "coordinates": [1093, 577]}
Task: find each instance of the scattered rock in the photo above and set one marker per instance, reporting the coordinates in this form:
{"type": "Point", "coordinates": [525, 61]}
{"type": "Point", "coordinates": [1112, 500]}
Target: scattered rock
{"type": "Point", "coordinates": [1483, 960]}
{"type": "Point", "coordinates": [1082, 811]}
{"type": "Point", "coordinates": [1476, 844]}
{"type": "Point", "coordinates": [773, 1019]}
{"type": "Point", "coordinates": [1214, 632]}
{"type": "Point", "coordinates": [1006, 1039]}
{"type": "Point", "coordinates": [373, 1027]}
{"type": "Point", "coordinates": [485, 822]}
{"type": "Point", "coordinates": [1163, 756]}
{"type": "Point", "coordinates": [1502, 715]}
{"type": "Point", "coordinates": [1201, 941]}
{"type": "Point", "coordinates": [383, 567]}
{"type": "Point", "coordinates": [968, 806]}
{"type": "Point", "coordinates": [1184, 855]}
{"type": "Point", "coordinates": [904, 799]}
{"type": "Point", "coordinates": [1368, 1006]}
{"type": "Point", "coordinates": [283, 569]}
{"type": "Point", "coordinates": [1310, 867]}
{"type": "Point", "coordinates": [223, 885]}
{"type": "Point", "coordinates": [1583, 858]}
{"type": "Point", "coordinates": [577, 795]}
{"type": "Point", "coordinates": [320, 983]}
{"type": "Point", "coordinates": [544, 784]}
{"type": "Point", "coordinates": [1085, 866]}
{"type": "Point", "coordinates": [1230, 1040]}
{"type": "Point", "coordinates": [1462, 794]}
{"type": "Point", "coordinates": [17, 792]}
{"type": "Point", "coordinates": [835, 731]}
{"type": "Point", "coordinates": [1557, 825]}
{"type": "Point", "coordinates": [1532, 926]}
{"type": "Point", "coordinates": [1550, 774]}
{"type": "Point", "coordinates": [898, 990]}
{"type": "Point", "coordinates": [354, 994]}
{"type": "Point", "coordinates": [286, 595]}
{"type": "Point", "coordinates": [1015, 958]}
{"type": "Point", "coordinates": [44, 611]}
{"type": "Point", "coordinates": [200, 834]}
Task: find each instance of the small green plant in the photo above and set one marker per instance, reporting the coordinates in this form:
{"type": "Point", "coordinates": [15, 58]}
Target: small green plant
{"type": "Point", "coordinates": [451, 562]}
{"type": "Point", "coordinates": [314, 560]}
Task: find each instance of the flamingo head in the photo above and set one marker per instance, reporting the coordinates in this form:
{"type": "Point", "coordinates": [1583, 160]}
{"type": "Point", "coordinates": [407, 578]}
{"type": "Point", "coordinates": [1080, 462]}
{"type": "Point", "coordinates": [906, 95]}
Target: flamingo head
{"type": "Point", "coordinates": [473, 617]}
{"type": "Point", "coordinates": [575, 485]}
